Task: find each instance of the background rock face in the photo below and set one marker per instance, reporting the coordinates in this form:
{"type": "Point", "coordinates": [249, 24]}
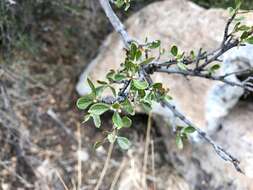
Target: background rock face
{"type": "Point", "coordinates": [190, 27]}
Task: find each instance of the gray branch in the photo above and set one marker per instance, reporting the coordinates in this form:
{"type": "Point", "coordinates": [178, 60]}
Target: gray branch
{"type": "Point", "coordinates": [119, 27]}
{"type": "Point", "coordinates": [207, 76]}
{"type": "Point", "coordinates": [116, 23]}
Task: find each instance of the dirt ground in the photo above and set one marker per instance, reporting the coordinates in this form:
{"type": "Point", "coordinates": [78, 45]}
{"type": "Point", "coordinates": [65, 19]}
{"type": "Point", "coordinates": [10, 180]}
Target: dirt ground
{"type": "Point", "coordinates": [41, 146]}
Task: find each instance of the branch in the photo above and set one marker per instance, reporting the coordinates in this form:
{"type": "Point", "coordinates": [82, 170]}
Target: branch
{"type": "Point", "coordinates": [218, 149]}
{"type": "Point", "coordinates": [116, 23]}
{"type": "Point", "coordinates": [226, 35]}
{"type": "Point", "coordinates": [119, 27]}
{"type": "Point", "coordinates": [221, 78]}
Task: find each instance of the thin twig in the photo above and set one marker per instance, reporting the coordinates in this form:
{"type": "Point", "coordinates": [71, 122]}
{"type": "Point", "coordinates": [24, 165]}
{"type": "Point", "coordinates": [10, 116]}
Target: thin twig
{"type": "Point", "coordinates": [79, 161]}
{"type": "Point", "coordinates": [61, 180]}
{"type": "Point", "coordinates": [118, 173]}
{"type": "Point", "coordinates": [105, 168]}
{"type": "Point", "coordinates": [22, 180]}
{"type": "Point", "coordinates": [146, 152]}
{"type": "Point", "coordinates": [153, 163]}
{"type": "Point", "coordinates": [116, 23]}
{"type": "Point", "coordinates": [53, 115]}
{"type": "Point", "coordinates": [201, 75]}
{"type": "Point", "coordinates": [219, 150]}
{"type": "Point", "coordinates": [230, 20]}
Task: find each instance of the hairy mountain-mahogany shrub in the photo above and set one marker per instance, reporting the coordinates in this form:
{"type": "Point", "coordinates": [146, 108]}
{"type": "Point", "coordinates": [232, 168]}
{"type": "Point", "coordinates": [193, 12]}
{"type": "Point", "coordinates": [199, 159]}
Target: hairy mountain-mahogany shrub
{"type": "Point", "coordinates": [131, 85]}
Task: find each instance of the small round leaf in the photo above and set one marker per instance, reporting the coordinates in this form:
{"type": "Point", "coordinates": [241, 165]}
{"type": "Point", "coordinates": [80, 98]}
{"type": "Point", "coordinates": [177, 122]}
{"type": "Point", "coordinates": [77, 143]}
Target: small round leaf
{"type": "Point", "coordinates": [127, 122]}
{"type": "Point", "coordinates": [96, 120]}
{"type": "Point", "coordinates": [99, 109]}
{"type": "Point", "coordinates": [140, 85]}
{"type": "Point", "coordinates": [117, 121]}
{"type": "Point", "coordinates": [124, 143]}
{"type": "Point", "coordinates": [84, 102]}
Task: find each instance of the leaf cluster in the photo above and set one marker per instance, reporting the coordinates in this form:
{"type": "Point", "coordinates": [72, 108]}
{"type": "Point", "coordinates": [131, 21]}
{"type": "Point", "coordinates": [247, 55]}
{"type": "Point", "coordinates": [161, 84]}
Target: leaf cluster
{"type": "Point", "coordinates": [132, 86]}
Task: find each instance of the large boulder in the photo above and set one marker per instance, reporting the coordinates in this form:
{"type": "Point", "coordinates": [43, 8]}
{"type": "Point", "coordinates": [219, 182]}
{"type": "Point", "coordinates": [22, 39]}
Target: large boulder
{"type": "Point", "coordinates": [189, 27]}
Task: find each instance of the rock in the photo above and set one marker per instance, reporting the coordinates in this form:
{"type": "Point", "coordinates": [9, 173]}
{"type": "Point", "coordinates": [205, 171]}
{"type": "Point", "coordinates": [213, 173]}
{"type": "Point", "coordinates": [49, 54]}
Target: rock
{"type": "Point", "coordinates": [200, 165]}
{"type": "Point", "coordinates": [189, 27]}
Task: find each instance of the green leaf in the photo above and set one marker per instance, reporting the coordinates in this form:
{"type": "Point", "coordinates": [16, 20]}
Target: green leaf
{"type": "Point", "coordinates": [119, 3]}
{"type": "Point", "coordinates": [84, 102]}
{"type": "Point", "coordinates": [188, 130]}
{"type": "Point", "coordinates": [236, 27]}
{"type": "Point", "coordinates": [134, 52]}
{"type": "Point", "coordinates": [119, 77]}
{"type": "Point", "coordinates": [101, 82]}
{"type": "Point", "coordinates": [130, 66]}
{"type": "Point", "coordinates": [238, 4]}
{"type": "Point", "coordinates": [99, 90]}
{"type": "Point", "coordinates": [127, 122]}
{"type": "Point", "coordinates": [117, 121]}
{"type": "Point", "coordinates": [92, 87]}
{"type": "Point", "coordinates": [179, 142]}
{"type": "Point", "coordinates": [239, 19]}
{"type": "Point", "coordinates": [113, 91]}
{"type": "Point", "coordinates": [110, 75]}
{"type": "Point", "coordinates": [151, 96]}
{"type": "Point", "coordinates": [86, 118]}
{"type": "Point", "coordinates": [192, 54]}
{"type": "Point", "coordinates": [116, 106]}
{"type": "Point", "coordinates": [146, 106]}
{"type": "Point", "coordinates": [243, 28]}
{"type": "Point", "coordinates": [245, 35]}
{"type": "Point", "coordinates": [96, 120]}
{"type": "Point", "coordinates": [148, 98]}
{"type": "Point", "coordinates": [140, 85]}
{"type": "Point", "coordinates": [133, 47]}
{"type": "Point", "coordinates": [124, 143]}
{"type": "Point", "coordinates": [111, 137]}
{"type": "Point", "coordinates": [141, 93]}
{"type": "Point", "coordinates": [179, 127]}
{"type": "Point", "coordinates": [127, 6]}
{"type": "Point", "coordinates": [98, 109]}
{"type": "Point", "coordinates": [147, 61]}
{"type": "Point", "coordinates": [231, 11]}
{"type": "Point", "coordinates": [155, 44]}
{"type": "Point", "coordinates": [162, 51]}
{"type": "Point", "coordinates": [215, 67]}
{"type": "Point", "coordinates": [128, 107]}
{"type": "Point", "coordinates": [157, 86]}
{"type": "Point", "coordinates": [174, 50]}
{"type": "Point", "coordinates": [250, 40]}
